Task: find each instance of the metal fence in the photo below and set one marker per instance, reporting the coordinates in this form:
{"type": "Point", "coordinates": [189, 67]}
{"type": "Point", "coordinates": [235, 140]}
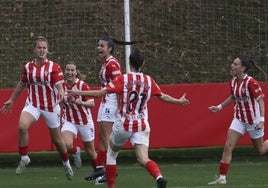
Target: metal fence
{"type": "Point", "coordinates": [182, 41]}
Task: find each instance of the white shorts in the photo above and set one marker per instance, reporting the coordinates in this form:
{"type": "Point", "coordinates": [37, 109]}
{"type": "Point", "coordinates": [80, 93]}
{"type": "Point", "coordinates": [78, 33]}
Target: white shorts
{"type": "Point", "coordinates": [107, 111]}
{"type": "Point", "coordinates": [119, 136]}
{"type": "Point", "coordinates": [242, 128]}
{"type": "Point", "coordinates": [52, 119]}
{"type": "Point", "coordinates": [87, 132]}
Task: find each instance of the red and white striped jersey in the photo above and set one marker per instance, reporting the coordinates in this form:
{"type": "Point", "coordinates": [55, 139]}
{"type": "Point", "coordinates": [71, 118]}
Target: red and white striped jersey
{"type": "Point", "coordinates": [246, 93]}
{"type": "Point", "coordinates": [41, 82]}
{"type": "Point", "coordinates": [134, 90]}
{"type": "Point", "coordinates": [76, 114]}
{"type": "Point", "coordinates": [110, 69]}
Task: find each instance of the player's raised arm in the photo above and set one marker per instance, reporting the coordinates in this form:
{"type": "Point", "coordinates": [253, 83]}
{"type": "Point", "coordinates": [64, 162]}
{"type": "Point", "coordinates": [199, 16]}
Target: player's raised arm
{"type": "Point", "coordinates": [8, 104]}
{"type": "Point", "coordinates": [217, 108]}
{"type": "Point", "coordinates": [169, 99]}
{"type": "Point", "coordinates": [92, 93]}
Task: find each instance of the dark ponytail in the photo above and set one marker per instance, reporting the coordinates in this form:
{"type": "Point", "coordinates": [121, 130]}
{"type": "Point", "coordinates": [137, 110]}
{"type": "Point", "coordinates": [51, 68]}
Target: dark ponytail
{"type": "Point", "coordinates": [111, 42]}
{"type": "Point", "coordinates": [247, 62]}
{"type": "Point", "coordinates": [124, 42]}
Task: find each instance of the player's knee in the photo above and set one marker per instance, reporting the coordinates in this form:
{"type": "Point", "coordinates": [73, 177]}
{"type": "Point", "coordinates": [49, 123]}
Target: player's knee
{"type": "Point", "coordinates": [23, 126]}
{"type": "Point", "coordinates": [260, 151]}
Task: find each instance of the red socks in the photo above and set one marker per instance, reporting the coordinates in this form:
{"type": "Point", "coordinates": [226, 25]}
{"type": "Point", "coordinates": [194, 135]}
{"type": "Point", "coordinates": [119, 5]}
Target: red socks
{"type": "Point", "coordinates": [23, 150]}
{"type": "Point", "coordinates": [93, 163]}
{"type": "Point", "coordinates": [64, 156]}
{"type": "Point", "coordinates": [223, 168]}
{"type": "Point", "coordinates": [110, 173]}
{"type": "Point", "coordinates": [101, 158]}
{"type": "Point", "coordinates": [153, 169]}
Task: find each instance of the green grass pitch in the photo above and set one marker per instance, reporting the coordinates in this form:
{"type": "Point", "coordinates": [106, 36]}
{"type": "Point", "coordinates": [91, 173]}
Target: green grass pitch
{"type": "Point", "coordinates": [187, 170]}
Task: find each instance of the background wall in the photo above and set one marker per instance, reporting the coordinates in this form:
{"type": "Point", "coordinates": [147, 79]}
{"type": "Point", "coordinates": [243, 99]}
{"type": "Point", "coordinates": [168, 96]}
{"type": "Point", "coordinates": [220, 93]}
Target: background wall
{"type": "Point", "coordinates": [172, 126]}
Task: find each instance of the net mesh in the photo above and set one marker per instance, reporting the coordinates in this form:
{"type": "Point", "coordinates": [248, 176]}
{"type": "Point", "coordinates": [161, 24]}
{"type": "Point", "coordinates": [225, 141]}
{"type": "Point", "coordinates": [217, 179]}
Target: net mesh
{"type": "Point", "coordinates": [182, 41]}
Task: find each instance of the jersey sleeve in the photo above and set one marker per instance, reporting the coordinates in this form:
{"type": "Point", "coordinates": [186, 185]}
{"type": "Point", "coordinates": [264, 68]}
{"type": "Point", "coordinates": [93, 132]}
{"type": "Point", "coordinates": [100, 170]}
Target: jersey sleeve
{"type": "Point", "coordinates": [114, 69]}
{"type": "Point", "coordinates": [156, 91]}
{"type": "Point", "coordinates": [57, 74]}
{"type": "Point", "coordinates": [116, 85]}
{"type": "Point", "coordinates": [255, 89]}
{"type": "Point", "coordinates": [85, 87]}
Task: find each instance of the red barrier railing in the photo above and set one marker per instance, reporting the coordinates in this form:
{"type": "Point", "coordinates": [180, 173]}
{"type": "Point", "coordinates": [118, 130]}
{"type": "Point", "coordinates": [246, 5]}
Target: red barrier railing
{"type": "Point", "coordinates": [172, 126]}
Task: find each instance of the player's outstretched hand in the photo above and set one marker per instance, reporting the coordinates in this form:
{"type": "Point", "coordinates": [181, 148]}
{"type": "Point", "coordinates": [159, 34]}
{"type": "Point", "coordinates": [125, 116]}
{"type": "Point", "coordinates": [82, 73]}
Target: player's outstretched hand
{"type": "Point", "coordinates": [72, 92]}
{"type": "Point", "coordinates": [213, 109]}
{"type": "Point", "coordinates": [59, 100]}
{"type": "Point", "coordinates": [6, 107]}
{"type": "Point", "coordinates": [183, 100]}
